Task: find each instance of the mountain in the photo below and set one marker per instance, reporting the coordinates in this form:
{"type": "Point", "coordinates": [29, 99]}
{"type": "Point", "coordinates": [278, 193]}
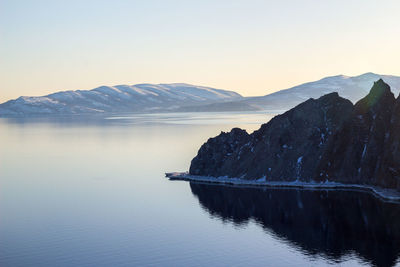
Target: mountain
{"type": "Point", "coordinates": [321, 140]}
{"type": "Point", "coordinates": [180, 97]}
{"type": "Point", "coordinates": [119, 98]}
{"type": "Point", "coordinates": [352, 88]}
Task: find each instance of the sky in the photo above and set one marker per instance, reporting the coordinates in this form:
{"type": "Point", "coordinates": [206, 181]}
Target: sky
{"type": "Point", "coordinates": [252, 47]}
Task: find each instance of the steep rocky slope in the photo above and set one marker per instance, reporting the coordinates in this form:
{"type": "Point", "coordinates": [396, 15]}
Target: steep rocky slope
{"type": "Point", "coordinates": [327, 139]}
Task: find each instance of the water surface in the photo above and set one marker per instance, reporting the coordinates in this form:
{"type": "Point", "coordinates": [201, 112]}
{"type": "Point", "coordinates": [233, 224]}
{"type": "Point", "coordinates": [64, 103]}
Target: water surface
{"type": "Point", "coordinates": [92, 192]}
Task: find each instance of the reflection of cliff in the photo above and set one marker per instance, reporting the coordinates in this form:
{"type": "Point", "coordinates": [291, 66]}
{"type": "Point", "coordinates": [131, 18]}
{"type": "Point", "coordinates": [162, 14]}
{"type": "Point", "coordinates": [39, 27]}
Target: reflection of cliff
{"type": "Point", "coordinates": [330, 223]}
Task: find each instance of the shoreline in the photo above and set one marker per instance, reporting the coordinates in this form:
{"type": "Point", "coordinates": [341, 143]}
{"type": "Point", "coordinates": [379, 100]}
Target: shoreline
{"type": "Point", "coordinates": [382, 193]}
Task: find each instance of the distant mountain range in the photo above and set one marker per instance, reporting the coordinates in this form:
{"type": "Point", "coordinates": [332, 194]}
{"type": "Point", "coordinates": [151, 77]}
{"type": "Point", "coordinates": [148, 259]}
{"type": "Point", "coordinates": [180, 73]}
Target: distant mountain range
{"type": "Point", "coordinates": [352, 88]}
{"type": "Point", "coordinates": [180, 97]}
{"type": "Point", "coordinates": [119, 98]}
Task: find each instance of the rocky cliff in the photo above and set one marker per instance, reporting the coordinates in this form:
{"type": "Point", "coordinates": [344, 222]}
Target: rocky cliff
{"type": "Point", "coordinates": [327, 139]}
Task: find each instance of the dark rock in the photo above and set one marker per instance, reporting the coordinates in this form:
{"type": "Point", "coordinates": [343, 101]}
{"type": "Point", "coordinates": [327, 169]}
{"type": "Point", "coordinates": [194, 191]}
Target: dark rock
{"type": "Point", "coordinates": [356, 154]}
{"type": "Point", "coordinates": [327, 139]}
{"type": "Point", "coordinates": [213, 156]}
{"type": "Point", "coordinates": [286, 148]}
{"type": "Point", "coordinates": [390, 170]}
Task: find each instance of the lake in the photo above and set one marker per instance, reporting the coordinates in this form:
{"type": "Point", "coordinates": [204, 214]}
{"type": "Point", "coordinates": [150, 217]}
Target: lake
{"type": "Point", "coordinates": [92, 192]}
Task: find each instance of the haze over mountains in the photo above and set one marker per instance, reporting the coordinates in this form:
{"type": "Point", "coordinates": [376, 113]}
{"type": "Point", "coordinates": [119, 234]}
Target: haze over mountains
{"type": "Point", "coordinates": [179, 97]}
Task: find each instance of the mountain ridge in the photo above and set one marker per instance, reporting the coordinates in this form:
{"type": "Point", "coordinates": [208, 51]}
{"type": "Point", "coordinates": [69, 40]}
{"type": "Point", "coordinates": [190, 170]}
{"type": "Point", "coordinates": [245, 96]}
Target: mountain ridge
{"type": "Point", "coordinates": [350, 87]}
{"type": "Point", "coordinates": [183, 97]}
{"type": "Point", "coordinates": [119, 98]}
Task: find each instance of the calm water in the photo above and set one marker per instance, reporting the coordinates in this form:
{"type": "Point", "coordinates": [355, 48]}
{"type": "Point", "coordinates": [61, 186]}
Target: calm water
{"type": "Point", "coordinates": [92, 192]}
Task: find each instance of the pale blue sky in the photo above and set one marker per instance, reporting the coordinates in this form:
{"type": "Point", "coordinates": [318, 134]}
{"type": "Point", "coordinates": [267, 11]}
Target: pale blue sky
{"type": "Point", "coordinates": [253, 47]}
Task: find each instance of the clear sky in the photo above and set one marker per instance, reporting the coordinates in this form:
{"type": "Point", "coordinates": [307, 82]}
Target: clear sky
{"type": "Point", "coordinates": [252, 47]}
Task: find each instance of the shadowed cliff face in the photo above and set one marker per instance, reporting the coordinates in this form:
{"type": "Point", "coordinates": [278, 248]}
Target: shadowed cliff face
{"type": "Point", "coordinates": [313, 221]}
{"type": "Point", "coordinates": [286, 148]}
{"type": "Point", "coordinates": [390, 171]}
{"type": "Point", "coordinates": [215, 156]}
{"type": "Point", "coordinates": [359, 152]}
{"type": "Point", "coordinates": [327, 139]}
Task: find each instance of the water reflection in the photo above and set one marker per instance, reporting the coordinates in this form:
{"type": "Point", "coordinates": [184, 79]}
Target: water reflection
{"type": "Point", "coordinates": [331, 224]}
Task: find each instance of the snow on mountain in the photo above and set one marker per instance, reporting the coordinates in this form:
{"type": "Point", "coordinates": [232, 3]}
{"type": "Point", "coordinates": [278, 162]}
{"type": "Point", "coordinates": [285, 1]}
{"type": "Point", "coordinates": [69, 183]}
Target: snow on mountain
{"type": "Point", "coordinates": [352, 88]}
{"type": "Point", "coordinates": [119, 98]}
{"type": "Point", "coordinates": [186, 97]}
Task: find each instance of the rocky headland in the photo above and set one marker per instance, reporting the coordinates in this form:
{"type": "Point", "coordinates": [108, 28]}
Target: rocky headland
{"type": "Point", "coordinates": [327, 141]}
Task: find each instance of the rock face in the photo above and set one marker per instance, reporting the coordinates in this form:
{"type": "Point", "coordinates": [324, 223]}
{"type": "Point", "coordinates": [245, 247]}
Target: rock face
{"type": "Point", "coordinates": [327, 139]}
{"type": "Point", "coordinates": [216, 156]}
{"type": "Point", "coordinates": [360, 150]}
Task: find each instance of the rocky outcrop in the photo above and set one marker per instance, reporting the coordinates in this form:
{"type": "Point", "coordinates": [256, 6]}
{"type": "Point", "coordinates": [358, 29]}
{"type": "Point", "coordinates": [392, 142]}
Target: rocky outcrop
{"type": "Point", "coordinates": [285, 148]}
{"type": "Point", "coordinates": [358, 151]}
{"type": "Point", "coordinates": [216, 156]}
{"type": "Point", "coordinates": [327, 139]}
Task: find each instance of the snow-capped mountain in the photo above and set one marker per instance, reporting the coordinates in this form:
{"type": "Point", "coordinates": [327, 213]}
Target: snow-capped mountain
{"type": "Point", "coordinates": [188, 98]}
{"type": "Point", "coordinates": [119, 98]}
{"type": "Point", "coordinates": [352, 88]}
